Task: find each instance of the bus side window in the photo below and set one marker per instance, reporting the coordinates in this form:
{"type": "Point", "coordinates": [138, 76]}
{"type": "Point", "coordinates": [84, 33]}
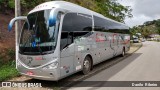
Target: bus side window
{"type": "Point", "coordinates": [66, 39]}
{"type": "Point", "coordinates": [80, 34]}
{"type": "Point", "coordinates": [70, 38]}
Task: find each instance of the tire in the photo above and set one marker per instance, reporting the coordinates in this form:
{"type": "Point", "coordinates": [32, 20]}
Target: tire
{"type": "Point", "coordinates": [123, 52]}
{"type": "Point", "coordinates": [86, 65]}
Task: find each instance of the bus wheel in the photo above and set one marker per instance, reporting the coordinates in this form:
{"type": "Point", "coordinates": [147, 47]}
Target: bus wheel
{"type": "Point", "coordinates": [86, 65]}
{"type": "Point", "coordinates": [123, 52]}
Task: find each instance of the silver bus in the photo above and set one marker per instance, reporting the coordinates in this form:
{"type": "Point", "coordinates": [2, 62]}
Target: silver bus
{"type": "Point", "coordinates": [60, 38]}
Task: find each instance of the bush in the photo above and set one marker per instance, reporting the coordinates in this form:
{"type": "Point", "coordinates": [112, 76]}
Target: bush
{"type": "Point", "coordinates": [6, 5]}
{"type": "Point", "coordinates": [8, 65]}
{"type": "Point", "coordinates": [11, 54]}
{"type": "Point", "coordinates": [7, 56]}
{"type": "Point", "coordinates": [11, 4]}
{"type": "Point", "coordinates": [8, 71]}
{"type": "Point", "coordinates": [1, 61]}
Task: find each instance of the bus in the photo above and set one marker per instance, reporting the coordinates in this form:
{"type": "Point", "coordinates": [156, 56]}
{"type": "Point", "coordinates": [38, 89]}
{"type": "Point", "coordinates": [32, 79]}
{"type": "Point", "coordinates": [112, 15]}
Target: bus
{"type": "Point", "coordinates": [59, 38]}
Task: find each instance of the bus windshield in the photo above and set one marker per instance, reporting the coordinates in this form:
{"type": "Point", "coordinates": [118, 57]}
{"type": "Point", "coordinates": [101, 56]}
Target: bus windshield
{"type": "Point", "coordinates": [38, 37]}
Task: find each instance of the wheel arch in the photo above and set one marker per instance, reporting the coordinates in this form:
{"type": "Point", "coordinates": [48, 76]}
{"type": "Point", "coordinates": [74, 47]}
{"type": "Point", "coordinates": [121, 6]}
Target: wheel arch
{"type": "Point", "coordinates": [124, 48]}
{"type": "Point", "coordinates": [90, 56]}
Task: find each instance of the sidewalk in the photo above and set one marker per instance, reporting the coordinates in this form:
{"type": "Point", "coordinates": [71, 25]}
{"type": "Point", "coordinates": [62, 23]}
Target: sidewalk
{"type": "Point", "coordinates": [134, 47]}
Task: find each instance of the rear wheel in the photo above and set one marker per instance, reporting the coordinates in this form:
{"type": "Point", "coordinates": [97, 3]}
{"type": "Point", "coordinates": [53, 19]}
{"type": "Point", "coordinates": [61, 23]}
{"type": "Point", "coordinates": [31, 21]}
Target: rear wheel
{"type": "Point", "coordinates": [86, 65]}
{"type": "Point", "coordinates": [123, 52]}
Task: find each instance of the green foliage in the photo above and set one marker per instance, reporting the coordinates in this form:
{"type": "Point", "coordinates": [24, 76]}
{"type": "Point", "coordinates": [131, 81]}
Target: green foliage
{"type": "Point", "coordinates": [157, 23]}
{"type": "Point", "coordinates": [11, 4]}
{"type": "Point", "coordinates": [8, 71]}
{"type": "Point", "coordinates": [6, 5]}
{"type": "Point", "coordinates": [27, 5]}
{"type": "Point", "coordinates": [7, 56]}
{"type": "Point", "coordinates": [1, 61]}
{"type": "Point", "coordinates": [114, 10]}
{"type": "Point", "coordinates": [11, 54]}
{"type": "Point", "coordinates": [7, 65]}
{"type": "Point", "coordinates": [148, 28]}
{"type": "Point", "coordinates": [109, 8]}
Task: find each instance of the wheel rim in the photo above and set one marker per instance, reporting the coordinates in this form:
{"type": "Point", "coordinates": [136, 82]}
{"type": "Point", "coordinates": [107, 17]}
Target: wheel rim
{"type": "Point", "coordinates": [123, 53]}
{"type": "Point", "coordinates": [86, 65]}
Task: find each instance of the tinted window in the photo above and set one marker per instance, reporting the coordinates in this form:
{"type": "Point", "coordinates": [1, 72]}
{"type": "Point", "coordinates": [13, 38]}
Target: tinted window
{"type": "Point", "coordinates": [77, 22]}
{"type": "Point", "coordinates": [108, 26]}
{"type": "Point", "coordinates": [119, 31]}
{"type": "Point", "coordinates": [66, 39]}
{"type": "Point", "coordinates": [100, 24]}
{"type": "Point", "coordinates": [81, 34]}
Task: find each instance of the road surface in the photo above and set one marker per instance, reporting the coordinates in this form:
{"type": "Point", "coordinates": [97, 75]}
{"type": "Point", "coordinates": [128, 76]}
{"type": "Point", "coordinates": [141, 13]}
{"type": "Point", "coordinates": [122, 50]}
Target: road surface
{"type": "Point", "coordinates": [143, 65]}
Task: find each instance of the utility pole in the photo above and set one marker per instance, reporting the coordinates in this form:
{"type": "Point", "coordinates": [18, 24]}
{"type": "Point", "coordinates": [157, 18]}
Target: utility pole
{"type": "Point", "coordinates": [17, 26]}
{"type": "Point", "coordinates": [17, 13]}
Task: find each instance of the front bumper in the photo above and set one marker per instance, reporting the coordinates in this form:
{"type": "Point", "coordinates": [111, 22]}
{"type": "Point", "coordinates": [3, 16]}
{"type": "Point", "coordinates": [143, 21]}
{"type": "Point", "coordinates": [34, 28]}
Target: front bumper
{"type": "Point", "coordinates": [40, 77]}
{"type": "Point", "coordinates": [39, 73]}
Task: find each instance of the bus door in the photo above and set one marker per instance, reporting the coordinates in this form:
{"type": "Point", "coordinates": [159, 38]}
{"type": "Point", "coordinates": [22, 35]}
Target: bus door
{"type": "Point", "coordinates": [115, 44]}
{"type": "Point", "coordinates": [120, 47]}
{"type": "Point", "coordinates": [67, 53]}
{"type": "Point", "coordinates": [80, 46]}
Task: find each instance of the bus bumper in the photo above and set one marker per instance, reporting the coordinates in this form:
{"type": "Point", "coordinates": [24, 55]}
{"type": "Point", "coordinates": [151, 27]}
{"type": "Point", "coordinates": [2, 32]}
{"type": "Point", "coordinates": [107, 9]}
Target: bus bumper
{"type": "Point", "coordinates": [40, 77]}
{"type": "Point", "coordinates": [39, 73]}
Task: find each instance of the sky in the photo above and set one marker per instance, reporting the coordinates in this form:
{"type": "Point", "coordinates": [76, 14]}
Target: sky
{"type": "Point", "coordinates": [143, 10]}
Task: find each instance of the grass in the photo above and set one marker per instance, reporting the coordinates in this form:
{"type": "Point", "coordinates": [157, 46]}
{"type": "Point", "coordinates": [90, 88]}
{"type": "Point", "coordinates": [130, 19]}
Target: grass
{"type": "Point", "coordinates": [7, 65]}
{"type": "Point", "coordinates": [8, 71]}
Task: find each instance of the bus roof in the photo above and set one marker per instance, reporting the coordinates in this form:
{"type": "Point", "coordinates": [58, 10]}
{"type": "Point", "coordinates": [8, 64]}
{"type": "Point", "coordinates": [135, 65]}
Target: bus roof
{"type": "Point", "coordinates": [74, 8]}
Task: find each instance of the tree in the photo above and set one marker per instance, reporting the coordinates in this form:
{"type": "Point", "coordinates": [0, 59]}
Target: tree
{"type": "Point", "coordinates": [148, 28]}
{"type": "Point", "coordinates": [6, 5]}
{"type": "Point", "coordinates": [158, 25]}
{"type": "Point", "coordinates": [109, 8]}
{"type": "Point", "coordinates": [115, 10]}
{"type": "Point", "coordinates": [112, 9]}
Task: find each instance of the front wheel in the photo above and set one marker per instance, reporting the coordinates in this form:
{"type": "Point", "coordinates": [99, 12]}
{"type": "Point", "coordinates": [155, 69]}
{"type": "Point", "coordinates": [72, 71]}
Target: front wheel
{"type": "Point", "coordinates": [123, 53]}
{"type": "Point", "coordinates": [86, 65]}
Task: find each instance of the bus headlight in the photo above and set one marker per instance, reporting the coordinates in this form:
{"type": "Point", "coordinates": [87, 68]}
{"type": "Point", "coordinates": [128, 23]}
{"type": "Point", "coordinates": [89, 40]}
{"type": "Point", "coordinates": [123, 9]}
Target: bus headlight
{"type": "Point", "coordinates": [53, 65]}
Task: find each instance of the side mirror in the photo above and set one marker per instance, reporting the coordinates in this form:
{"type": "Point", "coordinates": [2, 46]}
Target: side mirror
{"type": "Point", "coordinates": [14, 20]}
{"type": "Point", "coordinates": [53, 16]}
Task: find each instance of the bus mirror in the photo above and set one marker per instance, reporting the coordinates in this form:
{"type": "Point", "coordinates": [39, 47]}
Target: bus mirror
{"type": "Point", "coordinates": [14, 20]}
{"type": "Point", "coordinates": [53, 16]}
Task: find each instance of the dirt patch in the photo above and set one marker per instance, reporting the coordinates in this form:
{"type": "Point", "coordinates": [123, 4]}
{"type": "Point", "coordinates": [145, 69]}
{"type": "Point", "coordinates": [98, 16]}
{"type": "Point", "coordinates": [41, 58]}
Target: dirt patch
{"type": "Point", "coordinates": [7, 39]}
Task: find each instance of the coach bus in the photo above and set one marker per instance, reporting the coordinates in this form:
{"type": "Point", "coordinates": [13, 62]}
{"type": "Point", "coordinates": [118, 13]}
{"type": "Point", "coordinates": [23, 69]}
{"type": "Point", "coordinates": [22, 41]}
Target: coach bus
{"type": "Point", "coordinates": [59, 38]}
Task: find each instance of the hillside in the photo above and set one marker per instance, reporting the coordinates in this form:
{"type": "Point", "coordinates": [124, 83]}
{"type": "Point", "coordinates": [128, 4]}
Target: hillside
{"type": "Point", "coordinates": [7, 39]}
{"type": "Point", "coordinates": [147, 29]}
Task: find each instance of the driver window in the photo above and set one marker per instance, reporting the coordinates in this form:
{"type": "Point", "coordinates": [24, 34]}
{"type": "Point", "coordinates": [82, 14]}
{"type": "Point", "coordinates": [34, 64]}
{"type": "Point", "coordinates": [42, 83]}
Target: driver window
{"type": "Point", "coordinates": [66, 39]}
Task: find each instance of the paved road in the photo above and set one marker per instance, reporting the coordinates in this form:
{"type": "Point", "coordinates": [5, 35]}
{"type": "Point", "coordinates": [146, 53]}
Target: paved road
{"type": "Point", "coordinates": [143, 65]}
